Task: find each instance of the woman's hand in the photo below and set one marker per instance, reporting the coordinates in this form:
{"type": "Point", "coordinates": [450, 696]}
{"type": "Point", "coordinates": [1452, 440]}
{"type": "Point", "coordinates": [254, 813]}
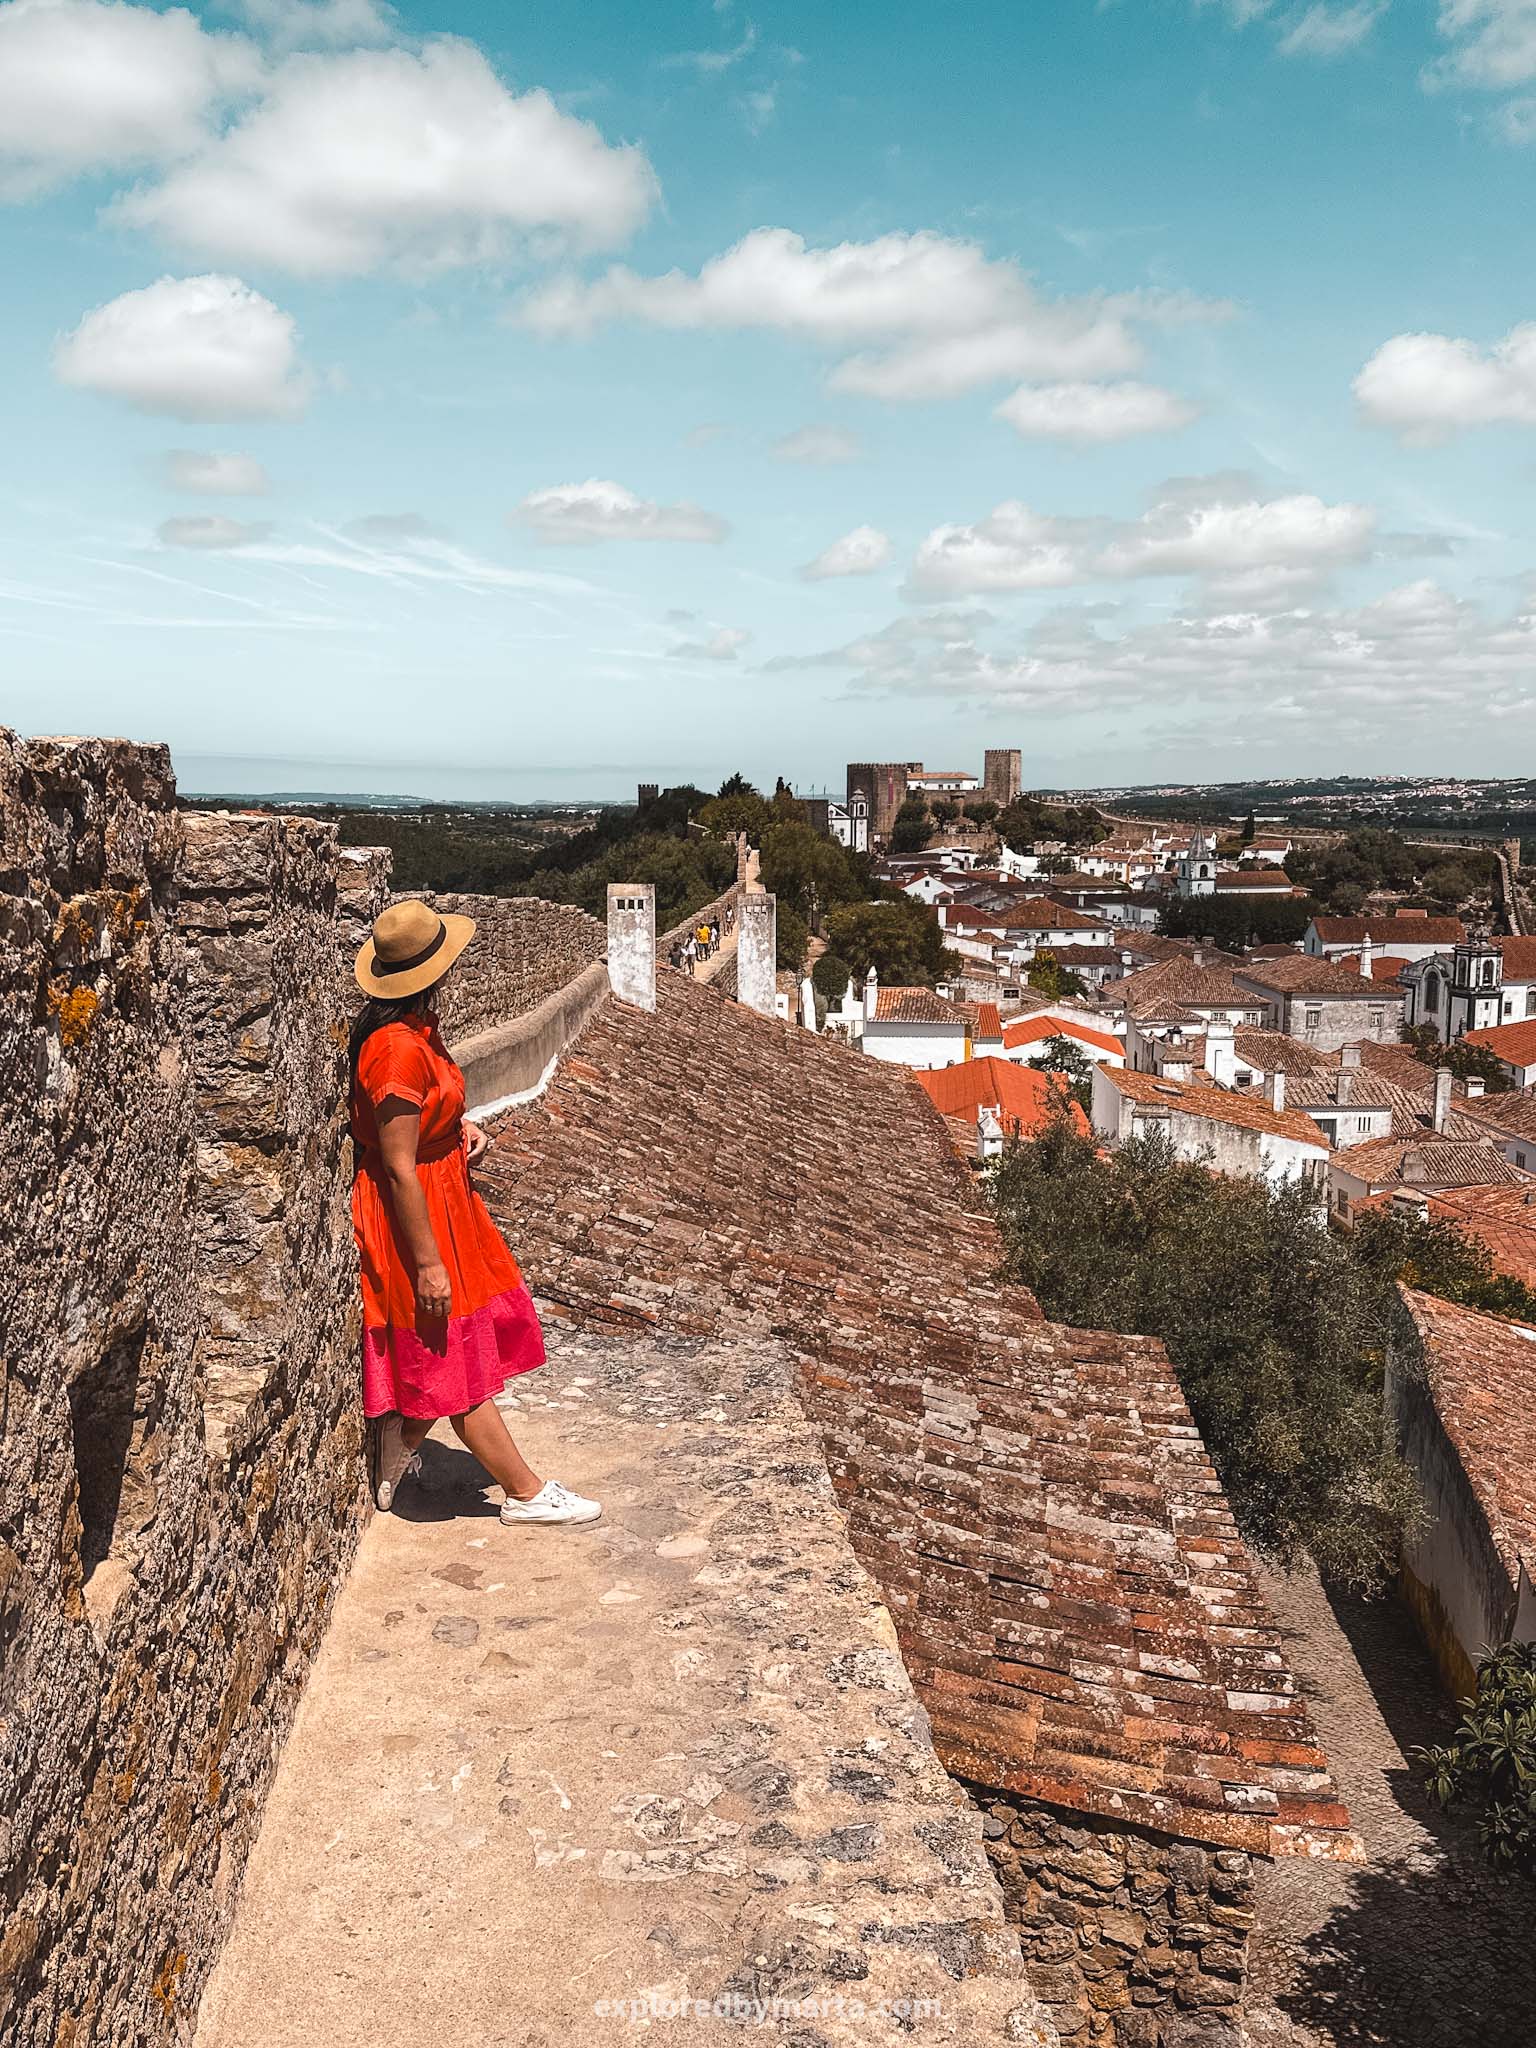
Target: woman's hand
{"type": "Point", "coordinates": [476, 1143]}
{"type": "Point", "coordinates": [434, 1295]}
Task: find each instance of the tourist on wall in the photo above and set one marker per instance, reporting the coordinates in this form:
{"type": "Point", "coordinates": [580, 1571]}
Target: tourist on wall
{"type": "Point", "coordinates": [447, 1320]}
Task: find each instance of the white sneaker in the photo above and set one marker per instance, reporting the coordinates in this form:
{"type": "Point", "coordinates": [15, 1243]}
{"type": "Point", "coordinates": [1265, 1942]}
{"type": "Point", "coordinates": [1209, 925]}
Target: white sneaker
{"type": "Point", "coordinates": [552, 1503]}
{"type": "Point", "coordinates": [392, 1461]}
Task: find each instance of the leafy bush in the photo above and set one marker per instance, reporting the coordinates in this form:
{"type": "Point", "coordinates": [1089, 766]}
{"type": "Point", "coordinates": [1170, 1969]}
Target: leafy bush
{"type": "Point", "coordinates": [830, 978]}
{"type": "Point", "coordinates": [1061, 1056]}
{"type": "Point", "coordinates": [899, 938]}
{"type": "Point", "coordinates": [1490, 1761]}
{"type": "Point", "coordinates": [1276, 1327]}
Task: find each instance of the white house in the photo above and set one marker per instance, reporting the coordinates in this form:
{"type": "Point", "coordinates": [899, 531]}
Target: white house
{"type": "Point", "coordinates": [1025, 1038]}
{"type": "Point", "coordinates": [1513, 1046]}
{"type": "Point", "coordinates": [1405, 935]}
{"type": "Point", "coordinates": [943, 782]}
{"type": "Point", "coordinates": [913, 1027]}
{"type": "Point", "coordinates": [1210, 1126]}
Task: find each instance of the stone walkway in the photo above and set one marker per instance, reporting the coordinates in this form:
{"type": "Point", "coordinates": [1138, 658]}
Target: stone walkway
{"type": "Point", "coordinates": [547, 1785]}
{"type": "Point", "coordinates": [1425, 1947]}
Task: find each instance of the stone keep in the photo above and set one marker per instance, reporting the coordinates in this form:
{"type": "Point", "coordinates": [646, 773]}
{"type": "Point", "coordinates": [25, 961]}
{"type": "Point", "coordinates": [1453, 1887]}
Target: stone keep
{"type": "Point", "coordinates": [632, 943]}
{"type": "Point", "coordinates": [1003, 774]}
{"type": "Point", "coordinates": [757, 952]}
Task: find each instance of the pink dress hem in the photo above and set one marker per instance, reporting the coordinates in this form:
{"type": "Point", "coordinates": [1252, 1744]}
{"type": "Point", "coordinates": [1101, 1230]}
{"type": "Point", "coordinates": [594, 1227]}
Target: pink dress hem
{"type": "Point", "coordinates": [427, 1376]}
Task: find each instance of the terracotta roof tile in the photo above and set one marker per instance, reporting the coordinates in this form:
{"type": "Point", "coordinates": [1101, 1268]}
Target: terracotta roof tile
{"type": "Point", "coordinates": [1309, 974]}
{"type": "Point", "coordinates": [1276, 1052]}
{"type": "Point", "coordinates": [1029, 1030]}
{"type": "Point", "coordinates": [1384, 966]}
{"type": "Point", "coordinates": [1250, 880]}
{"type": "Point", "coordinates": [1034, 1501]}
{"type": "Point", "coordinates": [1026, 1101]}
{"type": "Point", "coordinates": [1180, 981]}
{"type": "Point", "coordinates": [1383, 930]}
{"type": "Point", "coordinates": [916, 1006]}
{"type": "Point", "coordinates": [1503, 1218]}
{"type": "Point", "coordinates": [1482, 1378]}
{"type": "Point", "coordinates": [1427, 1161]}
{"type": "Point", "coordinates": [1519, 957]}
{"type": "Point", "coordinates": [1243, 1111]}
{"type": "Point", "coordinates": [1514, 1043]}
{"type": "Point", "coordinates": [1514, 1112]}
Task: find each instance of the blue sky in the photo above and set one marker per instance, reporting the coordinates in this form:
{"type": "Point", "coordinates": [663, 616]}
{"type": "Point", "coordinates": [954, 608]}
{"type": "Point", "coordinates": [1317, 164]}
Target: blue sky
{"type": "Point", "coordinates": [517, 401]}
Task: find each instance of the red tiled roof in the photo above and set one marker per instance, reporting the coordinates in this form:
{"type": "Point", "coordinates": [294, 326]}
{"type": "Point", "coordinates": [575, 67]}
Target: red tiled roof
{"type": "Point", "coordinates": [1482, 1380]}
{"type": "Point", "coordinates": [1276, 1052]}
{"type": "Point", "coordinates": [1078, 1612]}
{"type": "Point", "coordinates": [1503, 1218]}
{"type": "Point", "coordinates": [1310, 974]}
{"type": "Point", "coordinates": [1027, 1101]}
{"type": "Point", "coordinates": [1407, 926]}
{"type": "Point", "coordinates": [1427, 1161]}
{"type": "Point", "coordinates": [1384, 966]}
{"type": "Point", "coordinates": [1243, 1111]}
{"type": "Point", "coordinates": [989, 1021]}
{"type": "Point", "coordinates": [1514, 1111]}
{"type": "Point", "coordinates": [1250, 880]}
{"type": "Point", "coordinates": [1177, 980]}
{"type": "Point", "coordinates": [1514, 1043]}
{"type": "Point", "coordinates": [916, 1006]}
{"type": "Point", "coordinates": [1039, 913]}
{"type": "Point", "coordinates": [1026, 1030]}
{"type": "Point", "coordinates": [1519, 958]}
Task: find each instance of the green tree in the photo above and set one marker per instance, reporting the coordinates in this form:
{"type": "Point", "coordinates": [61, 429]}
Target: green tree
{"type": "Point", "coordinates": [1490, 1761]}
{"type": "Point", "coordinates": [830, 978]}
{"type": "Point", "coordinates": [736, 785]}
{"type": "Point", "coordinates": [912, 828]}
{"type": "Point", "coordinates": [900, 939]}
{"type": "Point", "coordinates": [1061, 1056]}
{"type": "Point", "coordinates": [744, 811]}
{"type": "Point", "coordinates": [945, 811]}
{"type": "Point", "coordinates": [1237, 922]}
{"type": "Point", "coordinates": [1052, 979]}
{"type": "Point", "coordinates": [1027, 819]}
{"type": "Point", "coordinates": [809, 872]}
{"type": "Point", "coordinates": [792, 937]}
{"type": "Point", "coordinates": [1276, 1327]}
{"type": "Point", "coordinates": [1250, 826]}
{"type": "Point", "coordinates": [1430, 1253]}
{"type": "Point", "coordinates": [982, 810]}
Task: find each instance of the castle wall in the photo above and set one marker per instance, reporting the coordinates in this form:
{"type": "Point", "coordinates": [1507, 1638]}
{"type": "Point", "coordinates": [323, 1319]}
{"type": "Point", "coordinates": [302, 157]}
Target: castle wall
{"type": "Point", "coordinates": [183, 1482]}
{"type": "Point", "coordinates": [524, 950]}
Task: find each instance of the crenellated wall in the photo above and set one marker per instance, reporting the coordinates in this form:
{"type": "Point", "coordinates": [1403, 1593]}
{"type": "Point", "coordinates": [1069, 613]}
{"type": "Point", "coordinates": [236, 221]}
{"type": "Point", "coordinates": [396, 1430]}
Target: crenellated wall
{"type": "Point", "coordinates": [182, 1485]}
{"type": "Point", "coordinates": [524, 951]}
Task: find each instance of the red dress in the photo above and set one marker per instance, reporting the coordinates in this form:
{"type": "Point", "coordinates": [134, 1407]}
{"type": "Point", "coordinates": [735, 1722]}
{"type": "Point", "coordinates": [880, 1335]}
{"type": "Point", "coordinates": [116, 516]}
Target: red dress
{"type": "Point", "coordinates": [417, 1365]}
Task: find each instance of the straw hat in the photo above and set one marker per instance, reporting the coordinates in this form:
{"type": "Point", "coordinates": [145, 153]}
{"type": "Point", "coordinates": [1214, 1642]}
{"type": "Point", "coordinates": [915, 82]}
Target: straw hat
{"type": "Point", "coordinates": [410, 948]}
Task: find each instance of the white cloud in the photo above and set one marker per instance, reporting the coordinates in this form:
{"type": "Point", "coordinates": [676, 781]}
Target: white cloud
{"type": "Point", "coordinates": [1196, 527]}
{"type": "Point", "coordinates": [1363, 673]}
{"type": "Point", "coordinates": [196, 348]}
{"type": "Point", "coordinates": [1095, 413]}
{"type": "Point", "coordinates": [1493, 44]}
{"type": "Point", "coordinates": [87, 86]}
{"type": "Point", "coordinates": [214, 475]}
{"type": "Point", "coordinates": [1331, 31]}
{"type": "Point", "coordinates": [320, 24]}
{"type": "Point", "coordinates": [821, 446]}
{"type": "Point", "coordinates": [571, 515]}
{"type": "Point", "coordinates": [931, 316]}
{"type": "Point", "coordinates": [724, 644]}
{"type": "Point", "coordinates": [1428, 386]}
{"type": "Point", "coordinates": [391, 160]}
{"type": "Point", "coordinates": [712, 62]}
{"type": "Point", "coordinates": [210, 530]}
{"type": "Point", "coordinates": [858, 553]}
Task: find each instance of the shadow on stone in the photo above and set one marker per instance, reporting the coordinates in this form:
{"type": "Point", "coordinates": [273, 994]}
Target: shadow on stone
{"type": "Point", "coordinates": [1421, 1958]}
{"type": "Point", "coordinates": [449, 1488]}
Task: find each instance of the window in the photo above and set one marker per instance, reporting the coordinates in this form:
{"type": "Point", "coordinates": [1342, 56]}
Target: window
{"type": "Point", "coordinates": [1378, 1017]}
{"type": "Point", "coordinates": [1487, 970]}
{"type": "Point", "coordinates": [1530, 1002]}
{"type": "Point", "coordinates": [1312, 1020]}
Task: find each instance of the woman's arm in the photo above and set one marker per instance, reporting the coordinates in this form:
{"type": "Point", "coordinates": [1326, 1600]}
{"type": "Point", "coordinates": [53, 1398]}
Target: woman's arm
{"type": "Point", "coordinates": [399, 1124]}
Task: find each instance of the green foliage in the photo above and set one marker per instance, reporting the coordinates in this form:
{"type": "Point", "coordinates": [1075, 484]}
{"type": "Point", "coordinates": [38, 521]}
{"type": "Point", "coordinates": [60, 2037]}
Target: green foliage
{"type": "Point", "coordinates": [1236, 922]}
{"type": "Point", "coordinates": [830, 978]}
{"type": "Point", "coordinates": [1341, 876]}
{"type": "Point", "coordinates": [982, 810]}
{"type": "Point", "coordinates": [1277, 1329]}
{"type": "Point", "coordinates": [736, 785]}
{"type": "Point", "coordinates": [1027, 819]}
{"type": "Point", "coordinates": [1052, 979]}
{"type": "Point", "coordinates": [1490, 1761]}
{"type": "Point", "coordinates": [899, 938]}
{"type": "Point", "coordinates": [945, 810]}
{"type": "Point", "coordinates": [912, 828]}
{"type": "Point", "coordinates": [1249, 828]}
{"type": "Point", "coordinates": [1432, 1254]}
{"type": "Point", "coordinates": [1466, 1062]}
{"type": "Point", "coordinates": [1059, 1055]}
{"type": "Point", "coordinates": [792, 936]}
{"type": "Point", "coordinates": [743, 811]}
{"type": "Point", "coordinates": [810, 873]}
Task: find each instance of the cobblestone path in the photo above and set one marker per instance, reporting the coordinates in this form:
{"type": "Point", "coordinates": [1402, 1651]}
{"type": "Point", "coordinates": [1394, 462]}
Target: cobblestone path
{"type": "Point", "coordinates": [1424, 1947]}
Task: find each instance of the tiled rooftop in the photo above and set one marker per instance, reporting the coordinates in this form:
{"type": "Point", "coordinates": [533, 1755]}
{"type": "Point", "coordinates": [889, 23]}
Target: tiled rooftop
{"type": "Point", "coordinates": [1513, 1113]}
{"type": "Point", "coordinates": [1077, 1610]}
{"type": "Point", "coordinates": [1482, 1376]}
{"type": "Point", "coordinates": [1027, 1101]}
{"type": "Point", "coordinates": [1384, 929]}
{"type": "Point", "coordinates": [1502, 1218]}
{"type": "Point", "coordinates": [1309, 974]}
{"type": "Point", "coordinates": [1276, 1052]}
{"type": "Point", "coordinates": [1519, 956]}
{"type": "Point", "coordinates": [1179, 980]}
{"type": "Point", "coordinates": [916, 1006]}
{"type": "Point", "coordinates": [1514, 1043]}
{"type": "Point", "coordinates": [1427, 1161]}
{"type": "Point", "coordinates": [1044, 1025]}
{"type": "Point", "coordinates": [1241, 1109]}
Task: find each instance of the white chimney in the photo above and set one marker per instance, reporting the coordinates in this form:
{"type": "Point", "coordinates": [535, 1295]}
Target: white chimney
{"type": "Point", "coordinates": [1474, 1085]}
{"type": "Point", "coordinates": [1198, 956]}
{"type": "Point", "coordinates": [807, 1003]}
{"type": "Point", "coordinates": [1275, 1090]}
{"type": "Point", "coordinates": [1350, 1056]}
{"type": "Point", "coordinates": [1220, 1052]}
{"type": "Point", "coordinates": [1344, 1086]}
{"type": "Point", "coordinates": [871, 993]}
{"type": "Point", "coordinates": [1442, 1098]}
{"type": "Point", "coordinates": [756, 952]}
{"type": "Point", "coordinates": [1367, 954]}
{"type": "Point", "coordinates": [632, 943]}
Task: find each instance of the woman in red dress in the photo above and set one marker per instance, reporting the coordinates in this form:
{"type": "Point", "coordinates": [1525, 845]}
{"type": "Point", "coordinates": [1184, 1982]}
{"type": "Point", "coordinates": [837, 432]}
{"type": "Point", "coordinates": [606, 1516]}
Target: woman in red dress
{"type": "Point", "coordinates": [447, 1320]}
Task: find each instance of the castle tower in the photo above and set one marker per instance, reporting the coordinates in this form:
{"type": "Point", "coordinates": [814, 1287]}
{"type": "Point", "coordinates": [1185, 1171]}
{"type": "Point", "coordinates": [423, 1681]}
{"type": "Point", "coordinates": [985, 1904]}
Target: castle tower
{"type": "Point", "coordinates": [1002, 774]}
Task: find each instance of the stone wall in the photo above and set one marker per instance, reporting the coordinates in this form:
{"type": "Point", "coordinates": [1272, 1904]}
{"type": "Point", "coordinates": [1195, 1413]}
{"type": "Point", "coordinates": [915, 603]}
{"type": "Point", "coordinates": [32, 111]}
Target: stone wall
{"type": "Point", "coordinates": [523, 951]}
{"type": "Point", "coordinates": [1131, 1939]}
{"type": "Point", "coordinates": [183, 1479]}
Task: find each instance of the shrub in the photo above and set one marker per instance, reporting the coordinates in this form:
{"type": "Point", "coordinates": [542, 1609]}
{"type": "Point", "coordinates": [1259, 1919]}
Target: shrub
{"type": "Point", "coordinates": [830, 978]}
{"type": "Point", "coordinates": [1490, 1761]}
